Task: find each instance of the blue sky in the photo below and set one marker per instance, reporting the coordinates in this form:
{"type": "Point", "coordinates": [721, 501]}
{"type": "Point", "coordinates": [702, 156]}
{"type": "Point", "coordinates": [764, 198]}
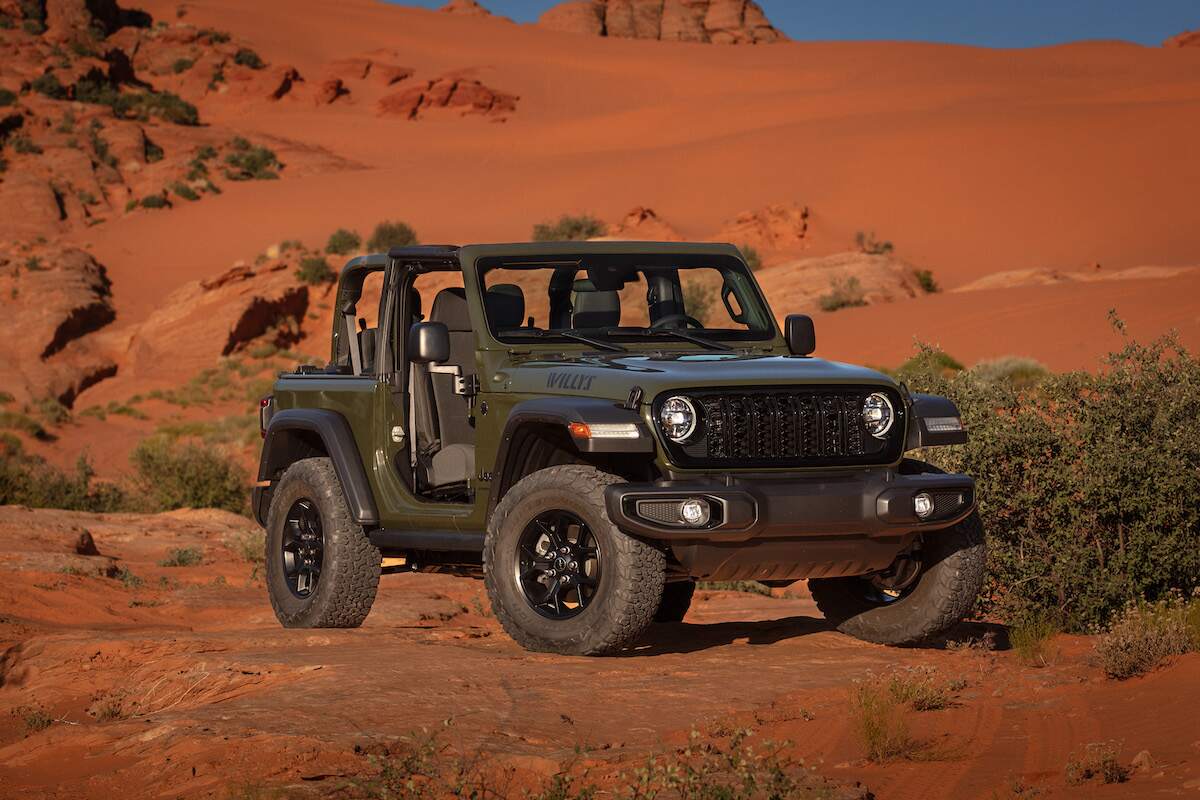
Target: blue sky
{"type": "Point", "coordinates": [991, 23]}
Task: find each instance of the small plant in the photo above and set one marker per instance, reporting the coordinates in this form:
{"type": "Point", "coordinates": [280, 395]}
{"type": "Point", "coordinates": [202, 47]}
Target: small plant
{"type": "Point", "coordinates": [846, 293]}
{"type": "Point", "coordinates": [154, 153]}
{"type": "Point", "coordinates": [879, 719]}
{"type": "Point", "coordinates": [390, 234]}
{"type": "Point", "coordinates": [315, 270]}
{"type": "Point", "coordinates": [250, 162]}
{"type": "Point", "coordinates": [182, 557]}
{"type": "Point", "coordinates": [248, 58]}
{"type": "Point", "coordinates": [569, 228]}
{"type": "Point", "coordinates": [1032, 639]}
{"type": "Point", "coordinates": [867, 243]}
{"type": "Point", "coordinates": [47, 84]}
{"type": "Point", "coordinates": [25, 145]}
{"type": "Point", "coordinates": [921, 688]}
{"type": "Point", "coordinates": [155, 201]}
{"type": "Point", "coordinates": [35, 718]}
{"type": "Point", "coordinates": [926, 280]}
{"type": "Point", "coordinates": [753, 259]}
{"type": "Point", "coordinates": [1099, 760]}
{"type": "Point", "coordinates": [184, 191]}
{"type": "Point", "coordinates": [34, 264]}
{"type": "Point", "coordinates": [128, 579]}
{"type": "Point", "coordinates": [212, 36]}
{"type": "Point", "coordinates": [7, 97]}
{"type": "Point", "coordinates": [100, 145]}
{"type": "Point", "coordinates": [182, 65]}
{"type": "Point", "coordinates": [1147, 634]}
{"type": "Point", "coordinates": [343, 242]}
{"type": "Point", "coordinates": [698, 301]}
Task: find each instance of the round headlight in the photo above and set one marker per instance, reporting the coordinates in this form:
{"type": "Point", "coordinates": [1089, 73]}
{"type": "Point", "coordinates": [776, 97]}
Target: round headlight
{"type": "Point", "coordinates": [877, 415]}
{"type": "Point", "coordinates": [677, 418]}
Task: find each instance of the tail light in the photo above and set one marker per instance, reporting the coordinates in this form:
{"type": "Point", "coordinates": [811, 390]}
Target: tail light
{"type": "Point", "coordinates": [266, 409]}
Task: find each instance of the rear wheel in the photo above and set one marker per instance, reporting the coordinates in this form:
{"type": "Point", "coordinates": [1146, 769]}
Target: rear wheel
{"type": "Point", "coordinates": [322, 571]}
{"type": "Point", "coordinates": [676, 600]}
{"type": "Point", "coordinates": [925, 593]}
{"type": "Point", "coordinates": [561, 577]}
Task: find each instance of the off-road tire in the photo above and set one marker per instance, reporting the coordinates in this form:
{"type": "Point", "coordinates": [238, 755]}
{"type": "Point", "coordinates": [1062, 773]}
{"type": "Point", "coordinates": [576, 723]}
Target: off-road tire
{"type": "Point", "coordinates": [676, 600]}
{"type": "Point", "coordinates": [349, 575]}
{"type": "Point", "coordinates": [945, 593]}
{"type": "Point", "coordinates": [631, 575]}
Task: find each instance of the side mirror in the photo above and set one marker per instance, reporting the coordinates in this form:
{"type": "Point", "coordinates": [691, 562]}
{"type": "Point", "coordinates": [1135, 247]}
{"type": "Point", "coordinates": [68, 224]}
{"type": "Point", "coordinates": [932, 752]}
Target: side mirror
{"type": "Point", "coordinates": [800, 334]}
{"type": "Point", "coordinates": [428, 343]}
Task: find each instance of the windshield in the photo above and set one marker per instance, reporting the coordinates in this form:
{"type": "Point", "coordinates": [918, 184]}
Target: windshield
{"type": "Point", "coordinates": [624, 298]}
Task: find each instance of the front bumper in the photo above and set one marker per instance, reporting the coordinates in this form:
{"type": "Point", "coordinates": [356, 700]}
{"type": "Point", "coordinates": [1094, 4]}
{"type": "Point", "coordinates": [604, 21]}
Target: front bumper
{"type": "Point", "coordinates": [867, 503]}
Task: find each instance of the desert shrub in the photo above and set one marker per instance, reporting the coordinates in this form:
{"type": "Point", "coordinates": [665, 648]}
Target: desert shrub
{"type": "Point", "coordinates": [343, 242]}
{"type": "Point", "coordinates": [48, 84]}
{"type": "Point", "coordinates": [880, 722]}
{"type": "Point", "coordinates": [1021, 373]}
{"type": "Point", "coordinates": [173, 475]}
{"type": "Point", "coordinates": [1099, 760]}
{"type": "Point", "coordinates": [155, 201]}
{"type": "Point", "coordinates": [34, 264]}
{"type": "Point", "coordinates": [748, 587]}
{"type": "Point", "coordinates": [1080, 480]}
{"type": "Point", "coordinates": [314, 270]}
{"type": "Point", "coordinates": [867, 243]}
{"type": "Point", "coordinates": [1033, 639]}
{"type": "Point", "coordinates": [34, 718]}
{"type": "Point", "coordinates": [926, 281]}
{"type": "Point", "coordinates": [212, 36]}
{"type": "Point", "coordinates": [23, 144]}
{"type": "Point", "coordinates": [154, 153]}
{"type": "Point", "coordinates": [752, 257]}
{"type": "Point", "coordinates": [100, 145]}
{"type": "Point", "coordinates": [182, 557]}
{"type": "Point", "coordinates": [698, 300]}
{"type": "Point", "coordinates": [7, 97]}
{"type": "Point", "coordinates": [28, 480]}
{"type": "Point", "coordinates": [920, 688]}
{"type": "Point", "coordinates": [846, 293]}
{"type": "Point", "coordinates": [390, 234]}
{"type": "Point", "coordinates": [569, 228]}
{"type": "Point", "coordinates": [184, 191]}
{"type": "Point", "coordinates": [250, 162]}
{"type": "Point", "coordinates": [1147, 634]}
{"type": "Point", "coordinates": [182, 65]}
{"type": "Point", "coordinates": [248, 58]}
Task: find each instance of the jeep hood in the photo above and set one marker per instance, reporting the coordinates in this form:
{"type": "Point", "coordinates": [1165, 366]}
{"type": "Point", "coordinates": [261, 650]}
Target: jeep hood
{"type": "Point", "coordinates": [614, 376]}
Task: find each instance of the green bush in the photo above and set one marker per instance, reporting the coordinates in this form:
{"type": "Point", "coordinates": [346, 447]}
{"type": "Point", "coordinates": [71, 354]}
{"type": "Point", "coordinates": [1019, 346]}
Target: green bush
{"type": "Point", "coordinates": [155, 201]}
{"type": "Point", "coordinates": [154, 153]}
{"type": "Point", "coordinates": [163, 105]}
{"type": "Point", "coordinates": [23, 144]}
{"type": "Point", "coordinates": [391, 234]}
{"type": "Point", "coordinates": [343, 242]}
{"type": "Point", "coordinates": [1082, 481]}
{"type": "Point", "coordinates": [182, 65]}
{"type": "Point", "coordinates": [248, 58]}
{"type": "Point", "coordinates": [926, 281]}
{"type": "Point", "coordinates": [315, 270]}
{"type": "Point", "coordinates": [48, 84]}
{"type": "Point", "coordinates": [1020, 373]}
{"type": "Point", "coordinates": [173, 475]}
{"type": "Point", "coordinates": [867, 243]}
{"type": "Point", "coordinates": [28, 480]}
{"type": "Point", "coordinates": [250, 162]}
{"type": "Point", "coordinates": [843, 294]}
{"type": "Point", "coordinates": [7, 97]}
{"type": "Point", "coordinates": [569, 228]}
{"type": "Point", "coordinates": [752, 257]}
{"type": "Point", "coordinates": [182, 557]}
{"type": "Point", "coordinates": [184, 191]}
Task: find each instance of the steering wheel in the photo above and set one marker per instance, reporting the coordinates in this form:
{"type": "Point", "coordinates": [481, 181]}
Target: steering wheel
{"type": "Point", "coordinates": [663, 322]}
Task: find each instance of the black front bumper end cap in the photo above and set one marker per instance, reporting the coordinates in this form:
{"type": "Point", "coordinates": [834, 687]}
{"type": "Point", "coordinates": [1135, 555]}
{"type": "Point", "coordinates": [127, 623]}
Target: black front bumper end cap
{"type": "Point", "coordinates": [862, 504]}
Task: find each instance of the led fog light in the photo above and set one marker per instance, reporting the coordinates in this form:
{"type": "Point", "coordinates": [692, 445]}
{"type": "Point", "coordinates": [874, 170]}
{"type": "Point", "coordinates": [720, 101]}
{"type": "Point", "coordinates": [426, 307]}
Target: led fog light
{"type": "Point", "coordinates": [923, 505]}
{"type": "Point", "coordinates": [694, 512]}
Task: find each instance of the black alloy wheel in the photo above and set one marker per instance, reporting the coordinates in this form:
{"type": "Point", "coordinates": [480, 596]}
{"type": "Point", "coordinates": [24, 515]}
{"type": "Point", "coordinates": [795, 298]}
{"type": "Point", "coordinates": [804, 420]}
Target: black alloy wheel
{"type": "Point", "coordinates": [303, 548]}
{"type": "Point", "coordinates": [558, 564]}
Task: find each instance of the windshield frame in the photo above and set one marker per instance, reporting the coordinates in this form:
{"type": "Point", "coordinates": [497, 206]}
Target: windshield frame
{"type": "Point", "coordinates": [766, 336]}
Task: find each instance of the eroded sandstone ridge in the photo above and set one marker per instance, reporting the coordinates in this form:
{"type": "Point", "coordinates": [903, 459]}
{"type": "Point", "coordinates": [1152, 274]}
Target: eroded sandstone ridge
{"type": "Point", "coordinates": [717, 21]}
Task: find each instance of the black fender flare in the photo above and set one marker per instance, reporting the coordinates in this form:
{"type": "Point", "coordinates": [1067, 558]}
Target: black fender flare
{"type": "Point", "coordinates": [282, 446]}
{"type": "Point", "coordinates": [560, 412]}
{"type": "Point", "coordinates": [931, 406]}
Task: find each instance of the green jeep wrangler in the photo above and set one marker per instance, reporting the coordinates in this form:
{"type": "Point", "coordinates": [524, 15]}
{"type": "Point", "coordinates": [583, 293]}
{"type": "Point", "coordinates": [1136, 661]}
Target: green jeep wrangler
{"type": "Point", "coordinates": [593, 427]}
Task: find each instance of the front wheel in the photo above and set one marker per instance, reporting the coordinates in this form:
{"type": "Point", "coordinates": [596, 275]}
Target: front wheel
{"type": "Point", "coordinates": [925, 593]}
{"type": "Point", "coordinates": [561, 577]}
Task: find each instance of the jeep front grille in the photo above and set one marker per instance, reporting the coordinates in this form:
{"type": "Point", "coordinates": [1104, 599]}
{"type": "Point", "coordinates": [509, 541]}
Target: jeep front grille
{"type": "Point", "coordinates": [801, 426]}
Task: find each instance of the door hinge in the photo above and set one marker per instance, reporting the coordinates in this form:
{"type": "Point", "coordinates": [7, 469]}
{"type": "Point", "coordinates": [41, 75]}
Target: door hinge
{"type": "Point", "coordinates": [398, 435]}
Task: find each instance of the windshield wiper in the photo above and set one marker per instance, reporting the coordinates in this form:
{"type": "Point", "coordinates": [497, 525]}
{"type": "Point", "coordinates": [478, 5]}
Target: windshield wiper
{"type": "Point", "coordinates": [689, 337]}
{"type": "Point", "coordinates": [569, 333]}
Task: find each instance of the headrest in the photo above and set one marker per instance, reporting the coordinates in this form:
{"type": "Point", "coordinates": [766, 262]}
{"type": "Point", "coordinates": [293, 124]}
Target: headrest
{"type": "Point", "coordinates": [450, 309]}
{"type": "Point", "coordinates": [505, 306]}
{"type": "Point", "coordinates": [594, 309]}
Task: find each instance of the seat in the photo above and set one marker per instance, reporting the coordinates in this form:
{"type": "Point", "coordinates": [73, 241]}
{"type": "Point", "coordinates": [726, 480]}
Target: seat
{"type": "Point", "coordinates": [445, 439]}
{"type": "Point", "coordinates": [505, 306]}
{"type": "Point", "coordinates": [594, 309]}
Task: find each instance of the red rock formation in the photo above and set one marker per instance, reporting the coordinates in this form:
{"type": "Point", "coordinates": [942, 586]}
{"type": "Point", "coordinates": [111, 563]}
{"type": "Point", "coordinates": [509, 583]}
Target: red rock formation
{"type": "Point", "coordinates": [329, 90]}
{"type": "Point", "coordinates": [719, 21]}
{"type": "Point", "coordinates": [777, 227]}
{"type": "Point", "coordinates": [469, 8]}
{"type": "Point", "coordinates": [467, 95]}
{"type": "Point", "coordinates": [1185, 39]}
{"type": "Point", "coordinates": [642, 224]}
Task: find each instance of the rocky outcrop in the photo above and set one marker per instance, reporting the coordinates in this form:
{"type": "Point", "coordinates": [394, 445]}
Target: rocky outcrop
{"type": "Point", "coordinates": [798, 286]}
{"type": "Point", "coordinates": [717, 21]}
{"type": "Point", "coordinates": [780, 227]}
{"type": "Point", "coordinates": [50, 301]}
{"type": "Point", "coordinates": [466, 95]}
{"type": "Point", "coordinates": [469, 8]}
{"type": "Point", "coordinates": [1185, 39]}
{"type": "Point", "coordinates": [29, 206]}
{"type": "Point", "coordinates": [329, 90]}
{"type": "Point", "coordinates": [642, 224]}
